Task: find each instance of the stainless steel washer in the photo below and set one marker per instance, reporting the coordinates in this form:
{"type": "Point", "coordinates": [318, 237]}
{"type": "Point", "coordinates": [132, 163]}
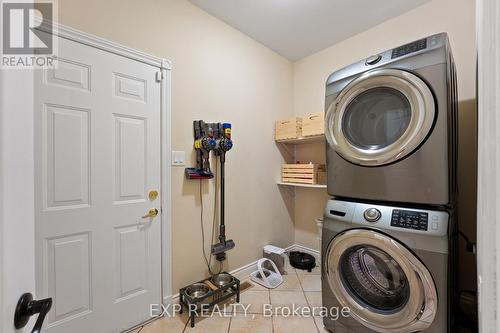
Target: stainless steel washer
{"type": "Point", "coordinates": [392, 273]}
{"type": "Point", "coordinates": [391, 126]}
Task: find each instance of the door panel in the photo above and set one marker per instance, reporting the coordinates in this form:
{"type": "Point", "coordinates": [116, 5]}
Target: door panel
{"type": "Point", "coordinates": [97, 154]}
{"type": "Point", "coordinates": [131, 264]}
{"type": "Point", "coordinates": [66, 149]}
{"type": "Point", "coordinates": [130, 87]}
{"type": "Point", "coordinates": [130, 158]}
{"type": "Point", "coordinates": [69, 260]}
{"type": "Point", "coordinates": [69, 74]}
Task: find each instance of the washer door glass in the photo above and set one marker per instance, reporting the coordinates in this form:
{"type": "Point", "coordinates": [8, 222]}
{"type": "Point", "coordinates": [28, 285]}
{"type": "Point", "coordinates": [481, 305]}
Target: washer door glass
{"type": "Point", "coordinates": [376, 118]}
{"type": "Point", "coordinates": [380, 117]}
{"type": "Point", "coordinates": [374, 278]}
{"type": "Point", "coordinates": [385, 286]}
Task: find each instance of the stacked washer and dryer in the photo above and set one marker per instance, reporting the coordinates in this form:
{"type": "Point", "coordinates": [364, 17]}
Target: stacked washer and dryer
{"type": "Point", "coordinates": [391, 127]}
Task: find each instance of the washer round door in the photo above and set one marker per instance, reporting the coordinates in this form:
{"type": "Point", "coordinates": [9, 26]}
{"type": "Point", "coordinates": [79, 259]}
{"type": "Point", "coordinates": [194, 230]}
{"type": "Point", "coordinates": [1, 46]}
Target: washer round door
{"type": "Point", "coordinates": [380, 117]}
{"type": "Point", "coordinates": [385, 286]}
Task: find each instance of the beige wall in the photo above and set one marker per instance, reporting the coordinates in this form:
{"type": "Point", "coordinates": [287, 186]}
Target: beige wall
{"type": "Point", "coordinates": [218, 74]}
{"type": "Point", "coordinates": [453, 16]}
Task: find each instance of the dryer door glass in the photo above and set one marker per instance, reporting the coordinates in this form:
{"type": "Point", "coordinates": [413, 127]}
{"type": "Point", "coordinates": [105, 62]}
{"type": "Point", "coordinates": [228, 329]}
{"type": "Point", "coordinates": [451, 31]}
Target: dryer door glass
{"type": "Point", "coordinates": [380, 117]}
{"type": "Point", "coordinates": [385, 286]}
{"type": "Point", "coordinates": [376, 118]}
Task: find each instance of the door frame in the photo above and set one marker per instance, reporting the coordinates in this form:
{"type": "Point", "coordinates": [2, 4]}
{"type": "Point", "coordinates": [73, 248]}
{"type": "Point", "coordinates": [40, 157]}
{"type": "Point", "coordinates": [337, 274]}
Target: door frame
{"type": "Point", "coordinates": [17, 175]}
{"type": "Point", "coordinates": [488, 186]}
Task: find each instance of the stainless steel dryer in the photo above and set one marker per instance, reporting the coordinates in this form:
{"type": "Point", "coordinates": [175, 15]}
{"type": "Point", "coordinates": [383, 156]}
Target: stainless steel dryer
{"type": "Point", "coordinates": [391, 125]}
{"type": "Point", "coordinates": [388, 265]}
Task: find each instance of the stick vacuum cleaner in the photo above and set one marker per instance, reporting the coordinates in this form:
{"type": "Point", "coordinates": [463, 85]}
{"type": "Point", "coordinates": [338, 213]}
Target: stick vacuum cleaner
{"type": "Point", "coordinates": [224, 144]}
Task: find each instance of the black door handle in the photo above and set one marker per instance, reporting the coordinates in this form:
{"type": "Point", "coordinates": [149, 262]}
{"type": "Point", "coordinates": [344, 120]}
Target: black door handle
{"type": "Point", "coordinates": [27, 307]}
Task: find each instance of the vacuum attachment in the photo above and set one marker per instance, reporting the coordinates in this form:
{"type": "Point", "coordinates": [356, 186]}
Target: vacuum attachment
{"type": "Point", "coordinates": [219, 249]}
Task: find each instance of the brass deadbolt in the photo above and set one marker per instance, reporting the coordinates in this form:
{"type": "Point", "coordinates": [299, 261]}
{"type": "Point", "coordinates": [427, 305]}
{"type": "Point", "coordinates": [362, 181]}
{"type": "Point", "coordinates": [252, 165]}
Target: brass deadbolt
{"type": "Point", "coordinates": [153, 195]}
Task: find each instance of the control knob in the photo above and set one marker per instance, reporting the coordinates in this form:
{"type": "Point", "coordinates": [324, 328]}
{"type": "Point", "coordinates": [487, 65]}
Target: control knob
{"type": "Point", "coordinates": [372, 215]}
{"type": "Point", "coordinates": [373, 59]}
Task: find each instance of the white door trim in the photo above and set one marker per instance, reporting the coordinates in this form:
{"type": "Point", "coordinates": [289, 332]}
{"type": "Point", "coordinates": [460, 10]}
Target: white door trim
{"type": "Point", "coordinates": [166, 183]}
{"type": "Point", "coordinates": [19, 171]}
{"type": "Point", "coordinates": [488, 198]}
{"type": "Point", "coordinates": [107, 45]}
{"type": "Point", "coordinates": [1, 201]}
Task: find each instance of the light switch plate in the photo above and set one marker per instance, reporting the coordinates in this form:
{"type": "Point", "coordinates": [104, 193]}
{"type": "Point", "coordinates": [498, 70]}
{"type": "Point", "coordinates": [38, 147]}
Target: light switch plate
{"type": "Point", "coordinates": [178, 158]}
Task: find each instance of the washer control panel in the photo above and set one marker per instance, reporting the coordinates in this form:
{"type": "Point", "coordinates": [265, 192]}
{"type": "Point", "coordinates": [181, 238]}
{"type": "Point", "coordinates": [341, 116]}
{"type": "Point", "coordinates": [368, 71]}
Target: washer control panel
{"type": "Point", "coordinates": [410, 219]}
{"type": "Point", "coordinates": [401, 219]}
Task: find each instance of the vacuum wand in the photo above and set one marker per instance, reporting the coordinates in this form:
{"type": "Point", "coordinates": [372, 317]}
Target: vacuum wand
{"type": "Point", "coordinates": [224, 145]}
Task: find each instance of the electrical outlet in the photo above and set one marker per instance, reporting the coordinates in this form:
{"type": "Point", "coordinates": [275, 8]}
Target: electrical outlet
{"type": "Point", "coordinates": [178, 158]}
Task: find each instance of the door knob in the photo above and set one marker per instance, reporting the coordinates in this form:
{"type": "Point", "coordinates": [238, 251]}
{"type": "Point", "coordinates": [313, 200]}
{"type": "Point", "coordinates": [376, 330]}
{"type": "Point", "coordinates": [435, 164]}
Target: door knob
{"type": "Point", "coordinates": [151, 213]}
{"type": "Point", "coordinates": [27, 307]}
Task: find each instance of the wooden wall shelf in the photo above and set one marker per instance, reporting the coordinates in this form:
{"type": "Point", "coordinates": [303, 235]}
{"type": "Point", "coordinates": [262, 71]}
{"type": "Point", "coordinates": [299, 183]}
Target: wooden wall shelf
{"type": "Point", "coordinates": [302, 185]}
{"type": "Point", "coordinates": [303, 139]}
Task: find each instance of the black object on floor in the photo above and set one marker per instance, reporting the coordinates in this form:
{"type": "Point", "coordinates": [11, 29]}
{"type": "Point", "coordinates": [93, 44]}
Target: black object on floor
{"type": "Point", "coordinates": [302, 260]}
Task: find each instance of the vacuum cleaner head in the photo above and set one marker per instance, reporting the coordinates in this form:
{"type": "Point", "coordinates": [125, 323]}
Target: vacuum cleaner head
{"type": "Point", "coordinates": [219, 249]}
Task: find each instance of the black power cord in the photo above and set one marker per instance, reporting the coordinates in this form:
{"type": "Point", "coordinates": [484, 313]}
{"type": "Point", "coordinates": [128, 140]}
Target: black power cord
{"type": "Point", "coordinates": [469, 246]}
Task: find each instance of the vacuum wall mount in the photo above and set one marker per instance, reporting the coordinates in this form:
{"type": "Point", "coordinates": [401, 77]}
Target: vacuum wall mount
{"type": "Point", "coordinates": [214, 137]}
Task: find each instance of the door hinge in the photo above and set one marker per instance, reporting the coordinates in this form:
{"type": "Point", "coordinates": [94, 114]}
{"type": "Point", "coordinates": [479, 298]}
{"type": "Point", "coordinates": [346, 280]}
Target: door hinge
{"type": "Point", "coordinates": [159, 76]}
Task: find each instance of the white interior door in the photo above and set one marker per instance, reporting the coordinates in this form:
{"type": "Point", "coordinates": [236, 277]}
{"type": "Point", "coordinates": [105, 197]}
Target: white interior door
{"type": "Point", "coordinates": [97, 157]}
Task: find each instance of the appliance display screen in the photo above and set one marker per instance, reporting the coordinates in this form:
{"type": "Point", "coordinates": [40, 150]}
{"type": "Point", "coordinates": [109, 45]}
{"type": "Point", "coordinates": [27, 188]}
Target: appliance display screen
{"type": "Point", "coordinates": [409, 48]}
{"type": "Point", "coordinates": [409, 219]}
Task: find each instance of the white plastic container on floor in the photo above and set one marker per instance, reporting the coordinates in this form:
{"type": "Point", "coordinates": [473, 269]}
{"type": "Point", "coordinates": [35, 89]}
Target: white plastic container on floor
{"type": "Point", "coordinates": [277, 255]}
{"type": "Point", "coordinates": [267, 277]}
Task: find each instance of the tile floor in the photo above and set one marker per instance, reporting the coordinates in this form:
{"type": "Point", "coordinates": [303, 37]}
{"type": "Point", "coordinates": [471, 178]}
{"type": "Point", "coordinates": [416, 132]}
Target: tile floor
{"type": "Point", "coordinates": [300, 288]}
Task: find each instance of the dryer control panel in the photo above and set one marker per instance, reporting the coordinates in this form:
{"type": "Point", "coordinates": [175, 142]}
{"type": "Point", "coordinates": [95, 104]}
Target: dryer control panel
{"type": "Point", "coordinates": [409, 48]}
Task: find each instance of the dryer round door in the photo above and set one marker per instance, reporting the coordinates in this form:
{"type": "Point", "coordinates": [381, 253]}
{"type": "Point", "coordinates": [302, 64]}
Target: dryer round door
{"type": "Point", "coordinates": [385, 286]}
{"type": "Point", "coordinates": [380, 117]}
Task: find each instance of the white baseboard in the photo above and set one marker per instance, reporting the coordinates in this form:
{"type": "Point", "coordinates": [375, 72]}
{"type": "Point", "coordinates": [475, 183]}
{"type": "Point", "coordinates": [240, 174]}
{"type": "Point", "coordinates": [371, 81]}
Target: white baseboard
{"type": "Point", "coordinates": [169, 299]}
{"type": "Point", "coordinates": [243, 272]}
